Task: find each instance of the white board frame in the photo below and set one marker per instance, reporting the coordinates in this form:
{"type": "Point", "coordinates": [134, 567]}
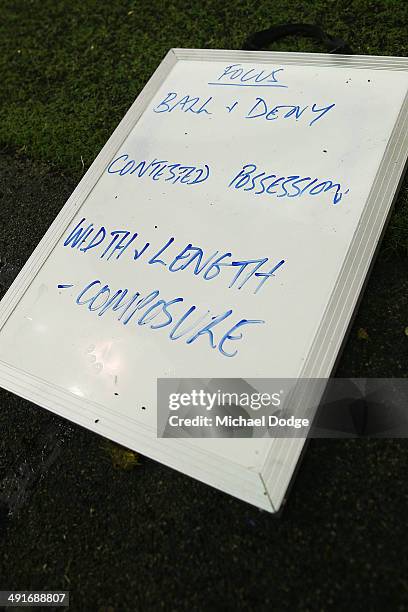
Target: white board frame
{"type": "Point", "coordinates": [267, 488]}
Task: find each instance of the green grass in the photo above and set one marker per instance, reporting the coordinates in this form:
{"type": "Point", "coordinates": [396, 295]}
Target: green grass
{"type": "Point", "coordinates": [71, 69]}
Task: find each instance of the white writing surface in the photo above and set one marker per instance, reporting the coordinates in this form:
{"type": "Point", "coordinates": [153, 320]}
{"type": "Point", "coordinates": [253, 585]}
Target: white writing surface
{"type": "Point", "coordinates": [212, 239]}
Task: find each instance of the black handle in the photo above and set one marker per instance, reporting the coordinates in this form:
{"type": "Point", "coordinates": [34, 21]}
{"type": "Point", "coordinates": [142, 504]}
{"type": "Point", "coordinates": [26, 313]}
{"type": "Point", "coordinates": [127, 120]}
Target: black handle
{"type": "Point", "coordinates": [259, 40]}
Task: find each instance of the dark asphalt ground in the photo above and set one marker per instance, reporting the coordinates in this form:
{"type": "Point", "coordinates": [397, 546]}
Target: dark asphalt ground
{"type": "Point", "coordinates": [77, 514]}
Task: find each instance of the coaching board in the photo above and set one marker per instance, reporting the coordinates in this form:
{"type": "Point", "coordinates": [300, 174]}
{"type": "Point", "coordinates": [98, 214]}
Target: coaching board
{"type": "Point", "coordinates": [225, 230]}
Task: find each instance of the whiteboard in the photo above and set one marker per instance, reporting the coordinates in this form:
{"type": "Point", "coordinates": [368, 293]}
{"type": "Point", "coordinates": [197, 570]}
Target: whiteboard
{"type": "Point", "coordinates": [288, 159]}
